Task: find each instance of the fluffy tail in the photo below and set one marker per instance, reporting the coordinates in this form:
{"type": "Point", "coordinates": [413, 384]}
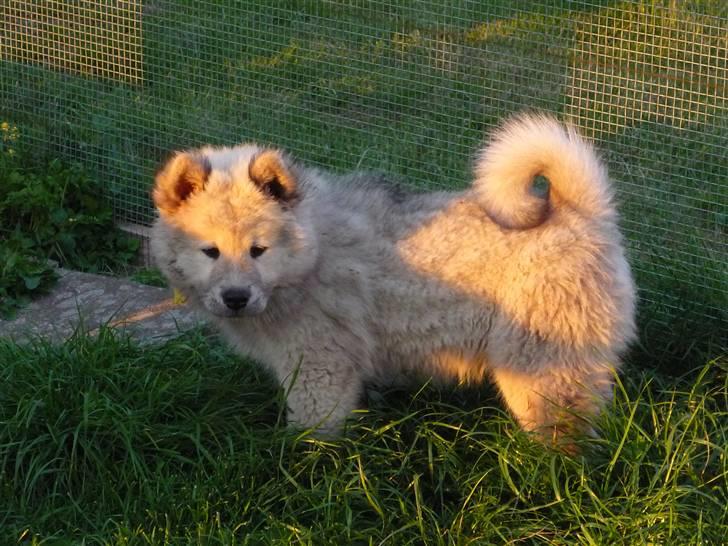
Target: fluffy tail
{"type": "Point", "coordinates": [532, 145]}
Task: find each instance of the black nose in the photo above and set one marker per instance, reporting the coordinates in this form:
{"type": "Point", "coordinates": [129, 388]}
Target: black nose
{"type": "Point", "coordinates": [236, 298]}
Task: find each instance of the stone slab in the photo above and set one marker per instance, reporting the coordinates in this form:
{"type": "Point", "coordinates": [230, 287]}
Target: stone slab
{"type": "Point", "coordinates": [89, 301]}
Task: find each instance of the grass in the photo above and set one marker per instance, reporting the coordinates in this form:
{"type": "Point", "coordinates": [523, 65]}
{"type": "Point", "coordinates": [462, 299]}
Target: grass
{"type": "Point", "coordinates": [106, 442]}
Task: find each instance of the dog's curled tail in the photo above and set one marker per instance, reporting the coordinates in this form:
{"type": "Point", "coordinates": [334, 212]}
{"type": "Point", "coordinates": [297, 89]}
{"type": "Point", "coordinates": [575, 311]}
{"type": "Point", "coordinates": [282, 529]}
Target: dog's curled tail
{"type": "Point", "coordinates": [531, 145]}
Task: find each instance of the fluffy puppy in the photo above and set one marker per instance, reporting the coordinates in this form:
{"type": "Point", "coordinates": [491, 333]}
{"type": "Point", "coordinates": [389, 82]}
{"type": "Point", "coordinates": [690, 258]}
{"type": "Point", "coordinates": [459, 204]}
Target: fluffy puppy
{"type": "Point", "coordinates": [335, 281]}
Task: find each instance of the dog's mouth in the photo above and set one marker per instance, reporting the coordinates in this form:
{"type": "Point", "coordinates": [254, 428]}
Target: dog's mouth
{"type": "Point", "coordinates": [245, 313]}
{"type": "Point", "coordinates": [235, 314]}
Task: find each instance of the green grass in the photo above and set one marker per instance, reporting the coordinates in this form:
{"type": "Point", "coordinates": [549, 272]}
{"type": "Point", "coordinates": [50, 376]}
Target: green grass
{"type": "Point", "coordinates": [105, 442]}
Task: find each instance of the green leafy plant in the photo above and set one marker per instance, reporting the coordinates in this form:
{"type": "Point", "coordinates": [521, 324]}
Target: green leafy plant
{"type": "Point", "coordinates": [51, 211]}
{"type": "Point", "coordinates": [21, 275]}
{"type": "Point", "coordinates": [149, 276]}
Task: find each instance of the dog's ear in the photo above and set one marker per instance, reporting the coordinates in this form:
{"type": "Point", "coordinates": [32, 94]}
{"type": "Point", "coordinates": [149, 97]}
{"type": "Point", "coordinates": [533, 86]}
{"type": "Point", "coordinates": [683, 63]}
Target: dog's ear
{"type": "Point", "coordinates": [181, 176]}
{"type": "Point", "coordinates": [275, 176]}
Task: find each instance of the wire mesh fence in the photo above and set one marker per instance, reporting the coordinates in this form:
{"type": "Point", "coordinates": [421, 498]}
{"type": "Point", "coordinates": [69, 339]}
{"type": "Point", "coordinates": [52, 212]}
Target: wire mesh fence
{"type": "Point", "coordinates": [408, 87]}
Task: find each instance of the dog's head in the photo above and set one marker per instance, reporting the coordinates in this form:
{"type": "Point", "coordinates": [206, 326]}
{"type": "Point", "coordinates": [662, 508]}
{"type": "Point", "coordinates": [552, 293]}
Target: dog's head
{"type": "Point", "coordinates": [232, 227]}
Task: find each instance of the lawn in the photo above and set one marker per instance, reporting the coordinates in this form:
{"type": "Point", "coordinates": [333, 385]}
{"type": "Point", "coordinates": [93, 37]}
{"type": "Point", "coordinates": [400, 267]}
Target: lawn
{"type": "Point", "coordinates": [106, 442]}
{"type": "Point", "coordinates": [109, 442]}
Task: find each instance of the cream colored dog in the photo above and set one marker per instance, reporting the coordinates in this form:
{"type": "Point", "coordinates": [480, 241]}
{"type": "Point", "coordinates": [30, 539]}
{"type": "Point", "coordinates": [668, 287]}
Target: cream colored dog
{"type": "Point", "coordinates": [333, 282]}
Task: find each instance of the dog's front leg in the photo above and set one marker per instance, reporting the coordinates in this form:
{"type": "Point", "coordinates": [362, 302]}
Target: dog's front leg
{"type": "Point", "coordinates": [321, 395]}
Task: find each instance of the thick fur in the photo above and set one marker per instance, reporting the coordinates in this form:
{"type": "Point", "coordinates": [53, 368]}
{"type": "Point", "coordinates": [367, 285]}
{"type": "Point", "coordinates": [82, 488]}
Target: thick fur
{"type": "Point", "coordinates": [357, 283]}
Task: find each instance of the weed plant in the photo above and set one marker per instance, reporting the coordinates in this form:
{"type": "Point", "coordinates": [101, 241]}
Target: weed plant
{"type": "Point", "coordinates": [51, 212]}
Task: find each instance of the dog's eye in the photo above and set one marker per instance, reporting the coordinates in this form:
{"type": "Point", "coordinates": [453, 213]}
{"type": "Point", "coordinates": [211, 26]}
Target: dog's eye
{"type": "Point", "coordinates": [212, 252]}
{"type": "Point", "coordinates": [257, 250]}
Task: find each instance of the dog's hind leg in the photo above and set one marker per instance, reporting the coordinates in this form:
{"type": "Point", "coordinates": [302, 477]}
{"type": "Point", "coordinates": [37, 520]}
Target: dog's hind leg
{"type": "Point", "coordinates": [558, 404]}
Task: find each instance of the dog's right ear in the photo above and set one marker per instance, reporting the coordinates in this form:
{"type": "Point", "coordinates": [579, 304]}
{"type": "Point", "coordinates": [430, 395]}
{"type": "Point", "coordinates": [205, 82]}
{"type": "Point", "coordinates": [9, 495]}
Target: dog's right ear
{"type": "Point", "coordinates": [181, 177]}
{"type": "Point", "coordinates": [275, 175]}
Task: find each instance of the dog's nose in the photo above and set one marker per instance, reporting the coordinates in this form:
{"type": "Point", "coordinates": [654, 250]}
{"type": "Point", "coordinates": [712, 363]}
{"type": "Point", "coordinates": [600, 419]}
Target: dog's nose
{"type": "Point", "coordinates": [236, 298]}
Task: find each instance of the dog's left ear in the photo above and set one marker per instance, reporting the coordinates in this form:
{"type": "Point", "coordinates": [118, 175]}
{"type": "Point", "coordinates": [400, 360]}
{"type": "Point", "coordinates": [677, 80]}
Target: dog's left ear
{"type": "Point", "coordinates": [275, 176]}
{"type": "Point", "coordinates": [182, 176]}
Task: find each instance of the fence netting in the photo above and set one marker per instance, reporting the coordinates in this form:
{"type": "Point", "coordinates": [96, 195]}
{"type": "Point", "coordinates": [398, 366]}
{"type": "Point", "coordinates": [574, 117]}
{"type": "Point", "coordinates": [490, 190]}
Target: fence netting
{"type": "Point", "coordinates": [409, 87]}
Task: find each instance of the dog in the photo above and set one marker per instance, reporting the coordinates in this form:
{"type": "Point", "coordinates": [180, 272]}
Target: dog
{"type": "Point", "coordinates": [334, 282]}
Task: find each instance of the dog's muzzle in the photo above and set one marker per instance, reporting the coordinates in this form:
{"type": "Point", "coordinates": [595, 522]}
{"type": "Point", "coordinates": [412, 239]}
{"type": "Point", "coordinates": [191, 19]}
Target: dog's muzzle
{"type": "Point", "coordinates": [236, 299]}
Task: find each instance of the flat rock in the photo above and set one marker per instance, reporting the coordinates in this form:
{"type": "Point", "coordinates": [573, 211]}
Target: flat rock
{"type": "Point", "coordinates": [88, 301]}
